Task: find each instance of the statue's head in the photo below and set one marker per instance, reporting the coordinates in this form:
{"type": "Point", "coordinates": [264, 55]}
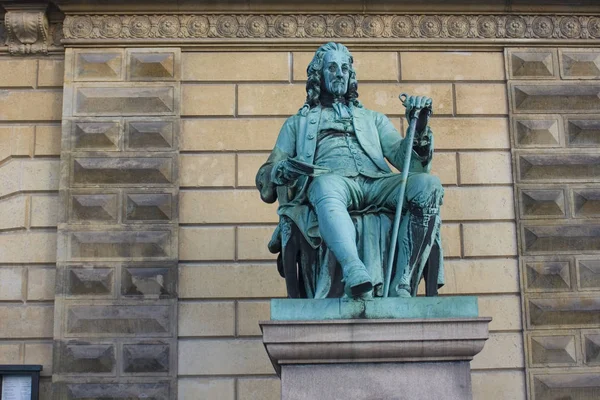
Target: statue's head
{"type": "Point", "coordinates": [331, 72]}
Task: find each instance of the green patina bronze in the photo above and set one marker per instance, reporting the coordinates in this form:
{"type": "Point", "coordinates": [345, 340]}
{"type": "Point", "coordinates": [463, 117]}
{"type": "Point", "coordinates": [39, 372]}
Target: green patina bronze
{"type": "Point", "coordinates": [338, 196]}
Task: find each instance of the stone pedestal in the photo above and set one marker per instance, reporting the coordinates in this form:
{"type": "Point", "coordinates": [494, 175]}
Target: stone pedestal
{"type": "Point", "coordinates": [371, 357]}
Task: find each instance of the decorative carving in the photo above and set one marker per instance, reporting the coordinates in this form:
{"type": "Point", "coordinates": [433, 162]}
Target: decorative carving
{"type": "Point", "coordinates": [323, 26]}
{"type": "Point", "coordinates": [27, 31]}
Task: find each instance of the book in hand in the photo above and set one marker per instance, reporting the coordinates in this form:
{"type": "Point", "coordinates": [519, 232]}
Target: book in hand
{"type": "Point", "coordinates": [297, 168]}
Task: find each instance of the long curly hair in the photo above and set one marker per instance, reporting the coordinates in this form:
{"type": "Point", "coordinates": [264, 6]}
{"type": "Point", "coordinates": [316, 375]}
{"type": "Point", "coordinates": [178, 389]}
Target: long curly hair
{"type": "Point", "coordinates": [314, 83]}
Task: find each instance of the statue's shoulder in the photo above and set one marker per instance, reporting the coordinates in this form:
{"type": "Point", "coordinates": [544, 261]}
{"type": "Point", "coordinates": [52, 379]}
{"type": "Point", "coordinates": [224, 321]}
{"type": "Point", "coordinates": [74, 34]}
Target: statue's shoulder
{"type": "Point", "coordinates": [363, 112]}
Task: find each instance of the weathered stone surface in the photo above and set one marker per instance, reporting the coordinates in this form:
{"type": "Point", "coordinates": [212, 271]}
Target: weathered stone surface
{"type": "Point", "coordinates": [225, 206]}
{"type": "Point", "coordinates": [204, 100]}
{"type": "Point", "coordinates": [30, 105]}
{"type": "Point", "coordinates": [545, 239]}
{"type": "Point", "coordinates": [47, 140]}
{"type": "Point", "coordinates": [149, 282]}
{"type": "Point", "coordinates": [92, 65]}
{"type": "Point", "coordinates": [586, 202]}
{"type": "Point", "coordinates": [452, 241]}
{"type": "Point", "coordinates": [444, 166]}
{"type": "Point", "coordinates": [146, 357]}
{"type": "Point", "coordinates": [236, 66]}
{"type": "Point", "coordinates": [252, 242]}
{"type": "Point", "coordinates": [563, 311]}
{"type": "Point", "coordinates": [40, 353]}
{"type": "Point", "coordinates": [18, 72]}
{"type": "Point", "coordinates": [28, 247]}
{"type": "Point", "coordinates": [551, 386]}
{"type": "Point", "coordinates": [90, 281]}
{"type": "Point", "coordinates": [485, 168]}
{"type": "Point", "coordinates": [451, 66]}
{"type": "Point", "coordinates": [149, 207]}
{"type": "Point", "coordinates": [383, 97]}
{"type": "Point", "coordinates": [542, 203]}
{"type": "Point", "coordinates": [481, 276]}
{"type": "Point", "coordinates": [556, 349]}
{"type": "Point", "coordinates": [547, 275]}
{"type": "Point", "coordinates": [487, 203]}
{"type": "Point", "coordinates": [259, 388]}
{"type": "Point", "coordinates": [476, 239]}
{"type": "Point", "coordinates": [10, 353]}
{"type": "Point", "coordinates": [369, 66]}
{"type": "Point", "coordinates": [15, 140]}
{"type": "Point", "coordinates": [94, 207]}
{"type": "Point", "coordinates": [504, 309]}
{"type": "Point", "coordinates": [537, 131]}
{"type": "Point", "coordinates": [470, 133]}
{"type": "Point", "coordinates": [588, 273]}
{"type": "Point", "coordinates": [532, 63]}
{"type": "Point", "coordinates": [27, 321]}
{"type": "Point", "coordinates": [582, 132]}
{"type": "Point", "coordinates": [501, 351]}
{"type": "Point", "coordinates": [273, 99]}
{"type": "Point", "coordinates": [11, 283]}
{"type": "Point", "coordinates": [546, 98]}
{"type": "Point", "coordinates": [150, 134]}
{"type": "Point", "coordinates": [51, 72]}
{"type": "Point", "coordinates": [498, 385]}
{"type": "Point", "coordinates": [558, 167]}
{"type": "Point", "coordinates": [40, 283]}
{"type": "Point", "coordinates": [579, 63]}
{"type": "Point", "coordinates": [120, 244]}
{"type": "Point", "coordinates": [206, 388]}
{"type": "Point", "coordinates": [85, 358]}
{"type": "Point", "coordinates": [96, 135]}
{"type": "Point", "coordinates": [208, 170]}
{"type": "Point", "coordinates": [122, 171]}
{"type": "Point", "coordinates": [478, 99]}
{"type": "Point", "coordinates": [157, 390]}
{"type": "Point", "coordinates": [207, 318]}
{"type": "Point", "coordinates": [44, 211]}
{"type": "Point", "coordinates": [211, 243]}
{"type": "Point", "coordinates": [13, 212]}
{"type": "Point", "coordinates": [591, 348]}
{"type": "Point", "coordinates": [152, 65]}
{"type": "Point", "coordinates": [249, 313]}
{"type": "Point", "coordinates": [114, 321]}
{"type": "Point", "coordinates": [124, 100]}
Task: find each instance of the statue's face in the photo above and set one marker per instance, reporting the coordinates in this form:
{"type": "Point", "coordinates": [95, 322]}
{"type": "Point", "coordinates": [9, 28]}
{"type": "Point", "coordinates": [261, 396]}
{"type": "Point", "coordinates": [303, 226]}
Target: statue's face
{"type": "Point", "coordinates": [336, 72]}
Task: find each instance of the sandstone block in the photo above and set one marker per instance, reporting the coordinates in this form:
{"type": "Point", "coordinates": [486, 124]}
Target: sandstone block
{"type": "Point", "coordinates": [505, 311]}
{"type": "Point", "coordinates": [13, 212]}
{"type": "Point", "coordinates": [229, 134]}
{"type": "Point", "coordinates": [223, 357]}
{"type": "Point", "coordinates": [28, 247]}
{"type": "Point", "coordinates": [476, 98]}
{"type": "Point", "coordinates": [51, 72]}
{"type": "Point", "coordinates": [252, 242]}
{"type": "Point", "coordinates": [248, 165]}
{"type": "Point", "coordinates": [451, 240]}
{"type": "Point", "coordinates": [259, 388]}
{"type": "Point", "coordinates": [10, 353]}
{"type": "Point", "coordinates": [44, 211]}
{"type": "Point", "coordinates": [485, 168]}
{"type": "Point", "coordinates": [230, 281]}
{"type": "Point", "coordinates": [211, 243]}
{"type": "Point", "coordinates": [47, 140]}
{"type": "Point", "coordinates": [40, 283]}
{"type": "Point", "coordinates": [40, 353]}
{"type": "Point", "coordinates": [207, 99]}
{"type": "Point", "coordinates": [206, 388]}
{"type": "Point", "coordinates": [249, 314]}
{"type": "Point", "coordinates": [481, 276]}
{"type": "Point", "coordinates": [383, 97]}
{"type": "Point", "coordinates": [10, 177]}
{"type": "Point", "coordinates": [11, 284]}
{"type": "Point", "coordinates": [15, 140]}
{"type": "Point", "coordinates": [27, 321]}
{"type": "Point", "coordinates": [490, 239]}
{"type": "Point", "coordinates": [276, 99]}
{"type": "Point", "coordinates": [235, 66]}
{"type": "Point", "coordinates": [225, 206]}
{"type": "Point", "coordinates": [452, 66]}
{"type": "Point", "coordinates": [203, 170]}
{"type": "Point", "coordinates": [498, 385]}
{"type": "Point", "coordinates": [470, 133]}
{"type": "Point", "coordinates": [501, 351]}
{"type": "Point", "coordinates": [478, 203]}
{"type": "Point", "coordinates": [369, 66]}
{"type": "Point", "coordinates": [444, 166]}
{"type": "Point", "coordinates": [40, 175]}
{"type": "Point", "coordinates": [215, 318]}
{"type": "Point", "coordinates": [20, 72]}
{"type": "Point", "coordinates": [31, 105]}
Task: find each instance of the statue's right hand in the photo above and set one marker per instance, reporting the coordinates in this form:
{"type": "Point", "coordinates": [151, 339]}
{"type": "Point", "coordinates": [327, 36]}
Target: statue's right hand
{"type": "Point", "coordinates": [281, 174]}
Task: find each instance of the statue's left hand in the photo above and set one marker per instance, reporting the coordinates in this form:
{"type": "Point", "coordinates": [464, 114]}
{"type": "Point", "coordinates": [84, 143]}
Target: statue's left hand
{"type": "Point", "coordinates": [413, 103]}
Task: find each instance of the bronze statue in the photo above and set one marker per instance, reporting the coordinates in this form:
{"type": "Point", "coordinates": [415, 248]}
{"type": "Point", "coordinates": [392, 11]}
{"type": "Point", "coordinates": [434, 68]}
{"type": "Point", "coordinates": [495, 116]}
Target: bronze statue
{"type": "Point", "coordinates": [337, 195]}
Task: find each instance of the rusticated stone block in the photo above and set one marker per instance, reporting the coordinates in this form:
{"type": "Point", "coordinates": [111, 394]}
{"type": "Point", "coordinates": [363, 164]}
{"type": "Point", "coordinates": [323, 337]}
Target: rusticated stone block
{"type": "Point", "coordinates": [579, 63]}
{"type": "Point", "coordinates": [148, 207]}
{"type": "Point", "coordinates": [537, 131]}
{"type": "Point", "coordinates": [118, 320]}
{"type": "Point", "coordinates": [563, 311]}
{"type": "Point", "coordinates": [141, 99]}
{"type": "Point", "coordinates": [150, 134]}
{"type": "Point", "coordinates": [591, 348]}
{"type": "Point", "coordinates": [94, 207]}
{"type": "Point", "coordinates": [568, 385]}
{"type": "Point", "coordinates": [155, 282]}
{"type": "Point", "coordinates": [532, 64]}
{"type": "Point", "coordinates": [146, 357]}
{"type": "Point", "coordinates": [89, 281]}
{"type": "Point", "coordinates": [91, 65]}
{"type": "Point", "coordinates": [582, 132]}
{"type": "Point", "coordinates": [547, 275]}
{"type": "Point", "coordinates": [547, 97]}
{"type": "Point", "coordinates": [545, 239]}
{"type": "Point", "coordinates": [156, 390]}
{"type": "Point", "coordinates": [542, 203]}
{"type": "Point", "coordinates": [122, 171]}
{"type": "Point", "coordinates": [553, 350]}
{"type": "Point", "coordinates": [588, 274]}
{"type": "Point", "coordinates": [153, 65]}
{"type": "Point", "coordinates": [121, 244]}
{"type": "Point", "coordinates": [586, 202]}
{"type": "Point", "coordinates": [84, 358]}
{"type": "Point", "coordinates": [95, 135]}
{"type": "Point", "coordinates": [562, 167]}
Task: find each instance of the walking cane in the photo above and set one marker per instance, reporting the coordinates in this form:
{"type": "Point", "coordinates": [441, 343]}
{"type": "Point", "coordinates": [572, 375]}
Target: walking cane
{"type": "Point", "coordinates": [404, 175]}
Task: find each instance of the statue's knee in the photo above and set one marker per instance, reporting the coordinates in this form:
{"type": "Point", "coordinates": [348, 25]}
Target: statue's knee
{"type": "Point", "coordinates": [324, 187]}
{"type": "Point", "coordinates": [426, 191]}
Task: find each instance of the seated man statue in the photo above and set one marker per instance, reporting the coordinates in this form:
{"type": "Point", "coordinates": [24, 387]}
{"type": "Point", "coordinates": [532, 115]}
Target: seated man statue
{"type": "Point", "coordinates": [329, 162]}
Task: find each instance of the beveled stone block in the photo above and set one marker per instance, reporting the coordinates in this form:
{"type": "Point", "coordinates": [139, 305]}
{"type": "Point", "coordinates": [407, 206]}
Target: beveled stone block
{"type": "Point", "coordinates": [547, 275]}
{"type": "Point", "coordinates": [547, 97]}
{"type": "Point", "coordinates": [120, 244]}
{"type": "Point", "coordinates": [560, 238]}
{"type": "Point", "coordinates": [89, 281]}
{"type": "Point", "coordinates": [538, 131]}
{"type": "Point", "coordinates": [567, 385]}
{"type": "Point", "coordinates": [95, 135]}
{"type": "Point", "coordinates": [148, 357]}
{"type": "Point", "coordinates": [114, 391]}
{"type": "Point", "coordinates": [148, 206]}
{"type": "Point", "coordinates": [94, 207]}
{"type": "Point", "coordinates": [531, 64]}
{"type": "Point", "coordinates": [586, 202]}
{"type": "Point", "coordinates": [555, 349]}
{"type": "Point", "coordinates": [588, 274]}
{"type": "Point", "coordinates": [591, 348]}
{"type": "Point", "coordinates": [563, 311]}
{"type": "Point", "coordinates": [93, 65]}
{"type": "Point", "coordinates": [141, 99]}
{"type": "Point", "coordinates": [542, 203]}
{"type": "Point", "coordinates": [122, 171]}
{"type": "Point", "coordinates": [157, 282]}
{"type": "Point", "coordinates": [582, 132]}
{"type": "Point", "coordinates": [85, 358]}
{"type": "Point", "coordinates": [579, 63]}
{"type": "Point", "coordinates": [560, 167]}
{"type": "Point", "coordinates": [118, 320]}
{"type": "Point", "coordinates": [151, 66]}
{"type": "Point", "coordinates": [150, 134]}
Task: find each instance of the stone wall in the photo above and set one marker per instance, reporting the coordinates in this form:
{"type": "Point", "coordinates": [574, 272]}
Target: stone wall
{"type": "Point", "coordinates": [233, 105]}
{"type": "Point", "coordinates": [30, 114]}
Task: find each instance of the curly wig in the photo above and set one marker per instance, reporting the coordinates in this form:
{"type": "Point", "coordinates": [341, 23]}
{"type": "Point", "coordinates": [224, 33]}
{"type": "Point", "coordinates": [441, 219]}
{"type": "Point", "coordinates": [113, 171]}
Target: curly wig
{"type": "Point", "coordinates": [314, 83]}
